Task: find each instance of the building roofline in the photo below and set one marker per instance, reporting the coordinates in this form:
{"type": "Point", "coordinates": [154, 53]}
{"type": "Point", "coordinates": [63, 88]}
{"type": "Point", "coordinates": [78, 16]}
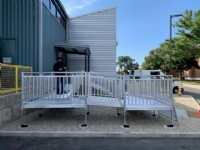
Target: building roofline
{"type": "Point", "coordinates": [94, 12]}
{"type": "Point", "coordinates": [62, 8]}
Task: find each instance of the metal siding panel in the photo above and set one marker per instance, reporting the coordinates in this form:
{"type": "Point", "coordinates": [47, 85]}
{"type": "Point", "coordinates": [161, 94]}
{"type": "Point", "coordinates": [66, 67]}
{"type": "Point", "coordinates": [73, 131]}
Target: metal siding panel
{"type": "Point", "coordinates": [17, 29]}
{"type": "Point", "coordinates": [23, 42]}
{"type": "Point", "coordinates": [3, 17]}
{"type": "Point", "coordinates": [19, 20]}
{"type": "Point", "coordinates": [36, 34]}
{"type": "Point", "coordinates": [27, 25]}
{"type": "Point", "coordinates": [8, 19]}
{"type": "Point", "coordinates": [19, 35]}
{"type": "Point", "coordinates": [53, 33]}
{"type": "Point", "coordinates": [98, 30]}
{"type": "Point", "coordinates": [1, 14]}
{"type": "Point", "coordinates": [30, 31]}
{"type": "Point", "coordinates": [12, 20]}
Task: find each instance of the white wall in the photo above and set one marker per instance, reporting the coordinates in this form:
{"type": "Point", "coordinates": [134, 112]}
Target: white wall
{"type": "Point", "coordinates": [98, 30]}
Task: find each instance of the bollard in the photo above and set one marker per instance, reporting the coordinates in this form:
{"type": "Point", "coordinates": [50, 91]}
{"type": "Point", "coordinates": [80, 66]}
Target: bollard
{"type": "Point", "coordinates": [179, 91]}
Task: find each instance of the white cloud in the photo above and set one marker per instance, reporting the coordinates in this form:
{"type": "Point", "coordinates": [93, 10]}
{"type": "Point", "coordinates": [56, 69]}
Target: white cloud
{"type": "Point", "coordinates": [75, 5]}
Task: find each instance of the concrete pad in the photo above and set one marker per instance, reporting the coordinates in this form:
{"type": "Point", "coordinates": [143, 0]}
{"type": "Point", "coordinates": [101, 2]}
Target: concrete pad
{"type": "Point", "coordinates": [191, 86]}
{"type": "Point", "coordinates": [181, 113]}
{"type": "Point", "coordinates": [193, 114]}
{"type": "Point", "coordinates": [103, 122]}
{"type": "Point", "coordinates": [186, 102]}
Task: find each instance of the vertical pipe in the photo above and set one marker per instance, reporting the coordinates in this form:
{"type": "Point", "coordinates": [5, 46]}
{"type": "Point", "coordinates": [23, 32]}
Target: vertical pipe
{"type": "Point", "coordinates": [85, 63]}
{"type": "Point", "coordinates": [16, 79]}
{"type": "Point", "coordinates": [40, 37]}
{"type": "Point", "coordinates": [170, 44]}
{"type": "Point", "coordinates": [88, 63]}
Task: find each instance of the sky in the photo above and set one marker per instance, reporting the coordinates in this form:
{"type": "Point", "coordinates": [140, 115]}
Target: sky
{"type": "Point", "coordinates": [141, 24]}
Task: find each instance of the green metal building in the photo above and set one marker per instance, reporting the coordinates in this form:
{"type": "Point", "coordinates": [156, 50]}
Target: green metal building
{"type": "Point", "coordinates": [34, 32]}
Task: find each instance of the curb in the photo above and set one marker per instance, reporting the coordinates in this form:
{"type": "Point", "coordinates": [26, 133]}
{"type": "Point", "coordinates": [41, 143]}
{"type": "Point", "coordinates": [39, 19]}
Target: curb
{"type": "Point", "coordinates": [101, 134]}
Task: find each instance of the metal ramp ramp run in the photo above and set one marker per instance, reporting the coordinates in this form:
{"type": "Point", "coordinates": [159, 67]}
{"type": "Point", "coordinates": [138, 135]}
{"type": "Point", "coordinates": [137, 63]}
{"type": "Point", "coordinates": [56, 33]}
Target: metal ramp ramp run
{"type": "Point", "coordinates": [83, 89]}
{"type": "Point", "coordinates": [104, 90]}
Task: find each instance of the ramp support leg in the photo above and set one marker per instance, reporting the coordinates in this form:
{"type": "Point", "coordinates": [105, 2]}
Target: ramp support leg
{"type": "Point", "coordinates": [118, 113]}
{"type": "Point", "coordinates": [172, 118]}
{"type": "Point", "coordinates": [154, 113]}
{"type": "Point", "coordinates": [88, 110]}
{"type": "Point", "coordinates": [22, 119]}
{"type": "Point", "coordinates": [125, 123]}
{"type": "Point", "coordinates": [171, 125]}
{"type": "Point", "coordinates": [85, 122]}
{"type": "Point", "coordinates": [85, 114]}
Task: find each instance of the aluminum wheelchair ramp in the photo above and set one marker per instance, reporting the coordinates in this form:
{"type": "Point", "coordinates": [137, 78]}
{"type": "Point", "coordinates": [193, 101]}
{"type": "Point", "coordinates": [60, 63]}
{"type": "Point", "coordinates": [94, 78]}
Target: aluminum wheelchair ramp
{"type": "Point", "coordinates": [47, 90]}
{"type": "Point", "coordinates": [149, 93]}
{"type": "Point", "coordinates": [81, 90]}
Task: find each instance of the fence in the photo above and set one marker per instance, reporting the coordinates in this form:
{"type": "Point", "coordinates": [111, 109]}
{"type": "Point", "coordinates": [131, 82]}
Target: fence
{"type": "Point", "coordinates": [10, 77]}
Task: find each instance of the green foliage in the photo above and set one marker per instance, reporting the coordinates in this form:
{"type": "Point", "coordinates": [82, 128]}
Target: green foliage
{"type": "Point", "coordinates": [189, 33]}
{"type": "Point", "coordinates": [126, 63]}
{"type": "Point", "coordinates": [185, 47]}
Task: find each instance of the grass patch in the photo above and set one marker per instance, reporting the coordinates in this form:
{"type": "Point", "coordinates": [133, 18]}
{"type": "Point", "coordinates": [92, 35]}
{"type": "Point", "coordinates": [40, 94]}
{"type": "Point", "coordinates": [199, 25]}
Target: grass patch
{"type": "Point", "coordinates": [192, 82]}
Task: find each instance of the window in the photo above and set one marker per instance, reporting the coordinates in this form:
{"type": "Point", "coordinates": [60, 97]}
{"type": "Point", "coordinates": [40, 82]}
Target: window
{"type": "Point", "coordinates": [63, 22]}
{"type": "Point", "coordinates": [46, 3]}
{"type": "Point", "coordinates": [50, 4]}
{"type": "Point", "coordinates": [52, 8]}
{"type": "Point", "coordinates": [58, 16]}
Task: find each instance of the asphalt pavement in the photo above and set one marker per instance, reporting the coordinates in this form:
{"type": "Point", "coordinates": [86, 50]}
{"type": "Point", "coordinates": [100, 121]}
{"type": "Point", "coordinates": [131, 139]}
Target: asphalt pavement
{"type": "Point", "coordinates": [7, 143]}
{"type": "Point", "coordinates": [195, 93]}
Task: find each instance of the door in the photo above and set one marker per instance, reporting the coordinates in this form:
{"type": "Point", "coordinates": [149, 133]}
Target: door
{"type": "Point", "coordinates": [8, 49]}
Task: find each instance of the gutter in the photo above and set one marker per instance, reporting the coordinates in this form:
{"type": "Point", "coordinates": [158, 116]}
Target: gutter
{"type": "Point", "coordinates": [40, 36]}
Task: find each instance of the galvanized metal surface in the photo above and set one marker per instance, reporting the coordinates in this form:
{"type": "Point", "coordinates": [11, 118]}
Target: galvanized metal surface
{"type": "Point", "coordinates": [98, 30]}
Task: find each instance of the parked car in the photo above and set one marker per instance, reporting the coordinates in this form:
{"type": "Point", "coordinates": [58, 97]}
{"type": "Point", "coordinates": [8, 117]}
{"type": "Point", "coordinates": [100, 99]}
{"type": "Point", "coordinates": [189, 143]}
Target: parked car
{"type": "Point", "coordinates": [175, 85]}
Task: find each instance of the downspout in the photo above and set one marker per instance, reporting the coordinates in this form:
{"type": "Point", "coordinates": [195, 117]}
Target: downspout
{"type": "Point", "coordinates": [67, 38]}
{"type": "Point", "coordinates": [40, 36]}
{"type": "Point", "coordinates": [67, 31]}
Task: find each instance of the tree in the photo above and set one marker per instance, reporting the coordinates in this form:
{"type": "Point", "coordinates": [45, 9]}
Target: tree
{"type": "Point", "coordinates": [159, 58]}
{"type": "Point", "coordinates": [183, 58]}
{"type": "Point", "coordinates": [189, 32]}
{"type": "Point", "coordinates": [126, 63]}
{"type": "Point", "coordinates": [154, 61]}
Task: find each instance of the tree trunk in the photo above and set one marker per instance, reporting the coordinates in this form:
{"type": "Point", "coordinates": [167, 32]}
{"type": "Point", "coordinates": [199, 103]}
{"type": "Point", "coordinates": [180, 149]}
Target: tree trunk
{"type": "Point", "coordinates": [180, 75]}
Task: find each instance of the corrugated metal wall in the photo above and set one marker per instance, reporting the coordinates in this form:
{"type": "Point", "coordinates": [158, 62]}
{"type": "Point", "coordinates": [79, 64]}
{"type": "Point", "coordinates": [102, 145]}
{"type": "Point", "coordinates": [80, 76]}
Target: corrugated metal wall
{"type": "Point", "coordinates": [98, 30]}
{"type": "Point", "coordinates": [1, 17]}
{"type": "Point", "coordinates": [20, 21]}
{"type": "Point", "coordinates": [53, 33]}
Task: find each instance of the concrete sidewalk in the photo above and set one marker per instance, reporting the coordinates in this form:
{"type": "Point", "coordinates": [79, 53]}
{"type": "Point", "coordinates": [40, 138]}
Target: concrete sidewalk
{"type": "Point", "coordinates": [103, 122]}
{"type": "Point", "coordinates": [192, 86]}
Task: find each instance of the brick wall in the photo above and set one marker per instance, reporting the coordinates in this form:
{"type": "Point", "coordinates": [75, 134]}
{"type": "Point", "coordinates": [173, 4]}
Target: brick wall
{"type": "Point", "coordinates": [193, 73]}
